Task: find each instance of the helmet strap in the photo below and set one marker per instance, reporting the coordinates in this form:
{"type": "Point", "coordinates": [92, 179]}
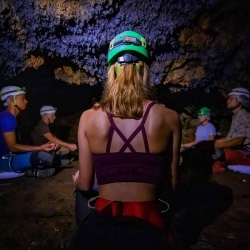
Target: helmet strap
{"type": "Point", "coordinates": [49, 120]}
{"type": "Point", "coordinates": [239, 103]}
{"type": "Point", "coordinates": [14, 100]}
{"type": "Point", "coordinates": [126, 59]}
{"type": "Point", "coordinates": [118, 66]}
{"type": "Point", "coordinates": [117, 69]}
{"type": "Point", "coordinates": [15, 104]}
{"type": "Point", "coordinates": [127, 40]}
{"type": "Point", "coordinates": [203, 121]}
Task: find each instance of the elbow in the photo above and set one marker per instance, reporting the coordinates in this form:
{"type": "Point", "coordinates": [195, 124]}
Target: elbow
{"type": "Point", "coordinates": [12, 148]}
{"type": "Point", "coordinates": [82, 185]}
{"type": "Point", "coordinates": [241, 141]}
{"type": "Point", "coordinates": [85, 188]}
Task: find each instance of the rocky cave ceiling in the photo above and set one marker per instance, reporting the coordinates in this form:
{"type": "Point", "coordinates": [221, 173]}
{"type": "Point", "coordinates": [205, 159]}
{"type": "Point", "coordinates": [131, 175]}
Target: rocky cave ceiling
{"type": "Point", "coordinates": [192, 42]}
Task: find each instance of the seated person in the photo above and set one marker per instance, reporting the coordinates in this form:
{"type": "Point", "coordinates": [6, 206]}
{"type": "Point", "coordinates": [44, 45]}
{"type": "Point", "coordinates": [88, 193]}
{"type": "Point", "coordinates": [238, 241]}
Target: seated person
{"type": "Point", "coordinates": [41, 133]}
{"type": "Point", "coordinates": [197, 201]}
{"type": "Point", "coordinates": [131, 143]}
{"type": "Point", "coordinates": [234, 149]}
{"type": "Point", "coordinates": [17, 158]}
{"type": "Point", "coordinates": [205, 131]}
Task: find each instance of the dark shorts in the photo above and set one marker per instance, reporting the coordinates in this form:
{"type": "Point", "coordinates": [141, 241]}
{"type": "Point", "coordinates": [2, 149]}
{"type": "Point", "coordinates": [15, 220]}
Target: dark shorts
{"type": "Point", "coordinates": [192, 207]}
{"type": "Point", "coordinates": [123, 233]}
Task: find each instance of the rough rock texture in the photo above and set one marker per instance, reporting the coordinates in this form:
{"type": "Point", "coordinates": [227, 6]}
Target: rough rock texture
{"type": "Point", "coordinates": [191, 42]}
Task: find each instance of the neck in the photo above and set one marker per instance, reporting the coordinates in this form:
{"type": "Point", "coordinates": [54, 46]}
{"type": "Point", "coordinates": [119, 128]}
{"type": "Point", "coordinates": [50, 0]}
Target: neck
{"type": "Point", "coordinates": [13, 109]}
{"type": "Point", "coordinates": [205, 122]}
{"type": "Point", "coordinates": [45, 120]}
{"type": "Point", "coordinates": [237, 109]}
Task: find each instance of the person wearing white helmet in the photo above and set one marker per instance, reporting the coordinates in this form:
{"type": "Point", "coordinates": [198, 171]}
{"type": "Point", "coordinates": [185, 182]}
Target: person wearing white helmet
{"type": "Point", "coordinates": [16, 158]}
{"type": "Point", "coordinates": [234, 149]}
{"type": "Point", "coordinates": [42, 134]}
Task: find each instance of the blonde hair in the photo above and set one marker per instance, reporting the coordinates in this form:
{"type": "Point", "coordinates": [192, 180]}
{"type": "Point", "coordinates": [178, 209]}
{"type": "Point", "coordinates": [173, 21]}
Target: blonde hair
{"type": "Point", "coordinates": [125, 94]}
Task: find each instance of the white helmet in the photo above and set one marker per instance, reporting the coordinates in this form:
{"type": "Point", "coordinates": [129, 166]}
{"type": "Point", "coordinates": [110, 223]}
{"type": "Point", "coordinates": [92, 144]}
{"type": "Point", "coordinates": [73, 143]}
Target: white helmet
{"type": "Point", "coordinates": [240, 91]}
{"type": "Point", "coordinates": [47, 109]}
{"type": "Point", "coordinates": [11, 91]}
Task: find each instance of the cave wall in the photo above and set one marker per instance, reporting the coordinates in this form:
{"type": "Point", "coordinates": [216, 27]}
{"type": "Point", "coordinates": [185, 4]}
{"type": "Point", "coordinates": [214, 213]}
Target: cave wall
{"type": "Point", "coordinates": [193, 43]}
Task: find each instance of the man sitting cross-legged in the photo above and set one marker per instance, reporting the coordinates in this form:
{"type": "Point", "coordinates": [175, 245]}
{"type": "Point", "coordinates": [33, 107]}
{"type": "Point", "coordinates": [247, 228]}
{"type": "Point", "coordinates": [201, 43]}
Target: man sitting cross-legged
{"type": "Point", "coordinates": [17, 158]}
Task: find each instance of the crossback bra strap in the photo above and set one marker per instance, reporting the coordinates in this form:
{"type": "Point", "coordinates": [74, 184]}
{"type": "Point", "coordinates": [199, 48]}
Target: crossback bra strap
{"type": "Point", "coordinates": [111, 132]}
{"type": "Point", "coordinates": [138, 129]}
{"type": "Point", "coordinates": [118, 131]}
{"type": "Point", "coordinates": [132, 136]}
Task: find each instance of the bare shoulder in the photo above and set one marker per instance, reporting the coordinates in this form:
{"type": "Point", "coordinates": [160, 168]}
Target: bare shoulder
{"type": "Point", "coordinates": [92, 119]}
{"type": "Point", "coordinates": [91, 114]}
{"type": "Point", "coordinates": [167, 113]}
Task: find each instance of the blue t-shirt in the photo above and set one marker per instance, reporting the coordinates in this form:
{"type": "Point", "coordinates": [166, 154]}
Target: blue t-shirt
{"type": "Point", "coordinates": [7, 124]}
{"type": "Point", "coordinates": [203, 132]}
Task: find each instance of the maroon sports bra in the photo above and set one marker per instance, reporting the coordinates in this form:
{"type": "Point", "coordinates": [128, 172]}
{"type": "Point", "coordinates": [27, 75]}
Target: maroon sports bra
{"type": "Point", "coordinates": [131, 166]}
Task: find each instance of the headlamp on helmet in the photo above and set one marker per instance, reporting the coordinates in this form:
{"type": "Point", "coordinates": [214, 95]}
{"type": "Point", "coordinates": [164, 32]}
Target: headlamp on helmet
{"type": "Point", "coordinates": [127, 58]}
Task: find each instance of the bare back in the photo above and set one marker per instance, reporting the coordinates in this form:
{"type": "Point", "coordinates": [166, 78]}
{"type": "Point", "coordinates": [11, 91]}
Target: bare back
{"type": "Point", "coordinates": [163, 133]}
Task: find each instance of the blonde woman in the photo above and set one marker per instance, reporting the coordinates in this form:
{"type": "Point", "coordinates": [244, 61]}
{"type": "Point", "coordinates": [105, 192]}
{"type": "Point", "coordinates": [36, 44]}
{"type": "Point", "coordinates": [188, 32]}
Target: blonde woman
{"type": "Point", "coordinates": [131, 144]}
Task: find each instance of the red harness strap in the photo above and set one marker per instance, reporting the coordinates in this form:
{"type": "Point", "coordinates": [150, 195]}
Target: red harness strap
{"type": "Point", "coordinates": [146, 210]}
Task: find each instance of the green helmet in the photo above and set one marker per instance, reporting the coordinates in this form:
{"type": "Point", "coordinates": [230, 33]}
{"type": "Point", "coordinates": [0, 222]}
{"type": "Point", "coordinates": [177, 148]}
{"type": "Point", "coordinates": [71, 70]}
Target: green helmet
{"type": "Point", "coordinates": [204, 111]}
{"type": "Point", "coordinates": [128, 42]}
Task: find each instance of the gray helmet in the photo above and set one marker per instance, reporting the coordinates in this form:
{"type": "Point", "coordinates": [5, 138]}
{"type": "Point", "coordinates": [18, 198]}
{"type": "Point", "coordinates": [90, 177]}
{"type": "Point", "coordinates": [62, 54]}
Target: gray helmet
{"type": "Point", "coordinates": [242, 94]}
{"type": "Point", "coordinates": [47, 109]}
{"type": "Point", "coordinates": [11, 91]}
{"type": "Point", "coordinates": [239, 92]}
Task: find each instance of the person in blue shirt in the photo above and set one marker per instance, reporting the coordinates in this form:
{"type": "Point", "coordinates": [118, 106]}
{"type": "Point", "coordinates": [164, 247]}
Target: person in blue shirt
{"type": "Point", "coordinates": [205, 131]}
{"type": "Point", "coordinates": [16, 158]}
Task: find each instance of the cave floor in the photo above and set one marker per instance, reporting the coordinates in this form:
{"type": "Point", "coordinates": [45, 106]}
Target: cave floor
{"type": "Point", "coordinates": [39, 214]}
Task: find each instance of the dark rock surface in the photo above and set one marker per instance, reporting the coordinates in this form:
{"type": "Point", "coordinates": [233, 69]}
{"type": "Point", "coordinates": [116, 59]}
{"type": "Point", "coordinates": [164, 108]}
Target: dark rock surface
{"type": "Point", "coordinates": [192, 43]}
{"type": "Point", "coordinates": [39, 214]}
{"type": "Point", "coordinates": [232, 229]}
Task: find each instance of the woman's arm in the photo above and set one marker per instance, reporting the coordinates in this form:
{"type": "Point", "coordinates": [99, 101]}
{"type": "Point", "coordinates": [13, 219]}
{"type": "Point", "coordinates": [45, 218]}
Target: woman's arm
{"type": "Point", "coordinates": [86, 172]}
